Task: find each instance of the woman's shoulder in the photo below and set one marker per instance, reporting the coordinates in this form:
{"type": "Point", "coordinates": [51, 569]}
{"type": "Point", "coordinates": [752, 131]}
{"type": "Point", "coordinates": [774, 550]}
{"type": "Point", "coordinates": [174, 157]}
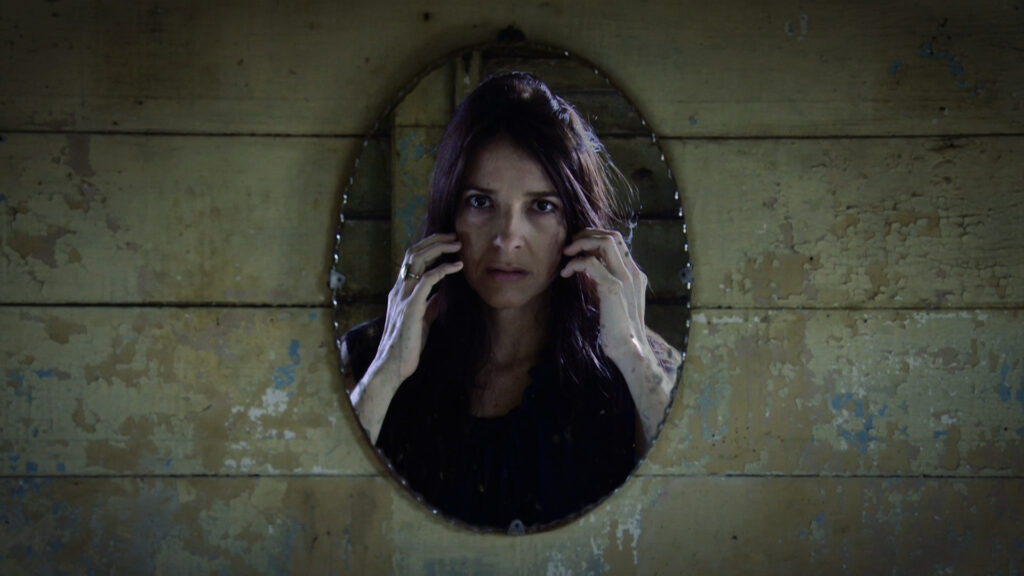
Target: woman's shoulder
{"type": "Point", "coordinates": [359, 346]}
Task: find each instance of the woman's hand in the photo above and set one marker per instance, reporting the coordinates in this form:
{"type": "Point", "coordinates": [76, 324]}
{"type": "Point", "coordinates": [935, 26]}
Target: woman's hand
{"type": "Point", "coordinates": [411, 309]}
{"type": "Point", "coordinates": [410, 312]}
{"type": "Point", "coordinates": [621, 288]}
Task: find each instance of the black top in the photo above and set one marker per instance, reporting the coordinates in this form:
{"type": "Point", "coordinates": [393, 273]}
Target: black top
{"type": "Point", "coordinates": [553, 455]}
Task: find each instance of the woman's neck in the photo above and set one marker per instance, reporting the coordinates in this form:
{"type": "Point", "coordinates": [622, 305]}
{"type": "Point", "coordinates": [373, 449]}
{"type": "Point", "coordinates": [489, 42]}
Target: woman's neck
{"type": "Point", "coordinates": [516, 336]}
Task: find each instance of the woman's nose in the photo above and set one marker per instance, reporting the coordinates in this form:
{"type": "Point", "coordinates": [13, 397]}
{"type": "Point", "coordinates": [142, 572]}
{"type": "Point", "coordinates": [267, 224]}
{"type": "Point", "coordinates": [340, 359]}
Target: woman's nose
{"type": "Point", "coordinates": [511, 230]}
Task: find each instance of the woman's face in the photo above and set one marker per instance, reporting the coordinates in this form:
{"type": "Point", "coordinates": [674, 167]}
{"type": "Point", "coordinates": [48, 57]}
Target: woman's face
{"type": "Point", "coordinates": [511, 223]}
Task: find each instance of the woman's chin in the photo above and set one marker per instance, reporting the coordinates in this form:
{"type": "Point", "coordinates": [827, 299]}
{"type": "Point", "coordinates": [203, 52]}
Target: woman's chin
{"type": "Point", "coordinates": [504, 302]}
{"type": "Point", "coordinates": [507, 299]}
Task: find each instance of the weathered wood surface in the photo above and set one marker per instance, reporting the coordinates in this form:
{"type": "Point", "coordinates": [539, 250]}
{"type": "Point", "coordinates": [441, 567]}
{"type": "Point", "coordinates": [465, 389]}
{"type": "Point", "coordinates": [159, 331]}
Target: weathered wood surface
{"type": "Point", "coordinates": [815, 223]}
{"type": "Point", "coordinates": [100, 391]}
{"type": "Point", "coordinates": [653, 526]}
{"type": "Point", "coordinates": [884, 223]}
{"type": "Point", "coordinates": [841, 392]}
{"type": "Point", "coordinates": [118, 219]}
{"type": "Point", "coordinates": [693, 68]}
{"type": "Point", "coordinates": [131, 435]}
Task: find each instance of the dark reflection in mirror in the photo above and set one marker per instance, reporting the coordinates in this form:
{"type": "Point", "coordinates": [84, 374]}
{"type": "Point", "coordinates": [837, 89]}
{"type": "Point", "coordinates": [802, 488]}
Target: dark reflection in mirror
{"type": "Point", "coordinates": [518, 374]}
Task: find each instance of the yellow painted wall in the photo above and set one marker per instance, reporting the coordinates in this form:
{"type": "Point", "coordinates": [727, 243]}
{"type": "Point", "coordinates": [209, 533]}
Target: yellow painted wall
{"type": "Point", "coordinates": [853, 398]}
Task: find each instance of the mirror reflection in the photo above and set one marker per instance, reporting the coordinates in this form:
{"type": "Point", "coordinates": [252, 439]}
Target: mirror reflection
{"type": "Point", "coordinates": [514, 379]}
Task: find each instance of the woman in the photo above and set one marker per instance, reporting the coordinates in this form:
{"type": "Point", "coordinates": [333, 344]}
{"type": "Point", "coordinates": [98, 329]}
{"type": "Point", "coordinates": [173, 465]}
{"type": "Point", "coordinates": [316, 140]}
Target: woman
{"type": "Point", "coordinates": [514, 379]}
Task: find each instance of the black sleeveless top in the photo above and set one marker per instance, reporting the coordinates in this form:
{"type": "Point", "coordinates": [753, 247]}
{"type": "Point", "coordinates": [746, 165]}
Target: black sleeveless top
{"type": "Point", "coordinates": [553, 455]}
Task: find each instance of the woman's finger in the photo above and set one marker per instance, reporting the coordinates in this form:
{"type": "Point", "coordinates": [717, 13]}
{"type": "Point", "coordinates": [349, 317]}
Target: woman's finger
{"type": "Point", "coordinates": [616, 308]}
{"type": "Point", "coordinates": [417, 263]}
{"type": "Point", "coordinates": [609, 251]}
{"type": "Point", "coordinates": [426, 282]}
{"type": "Point", "coordinates": [429, 241]}
{"type": "Point", "coordinates": [595, 269]}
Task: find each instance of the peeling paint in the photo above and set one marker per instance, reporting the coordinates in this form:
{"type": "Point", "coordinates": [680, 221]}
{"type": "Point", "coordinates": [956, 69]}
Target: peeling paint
{"type": "Point", "coordinates": [845, 404]}
{"type": "Point", "coordinates": [42, 247]}
{"type": "Point", "coordinates": [77, 155]}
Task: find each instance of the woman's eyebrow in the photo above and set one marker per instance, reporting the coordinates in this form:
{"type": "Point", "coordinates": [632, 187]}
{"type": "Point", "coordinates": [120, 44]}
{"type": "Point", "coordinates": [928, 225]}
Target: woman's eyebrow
{"type": "Point", "coordinates": [536, 194]}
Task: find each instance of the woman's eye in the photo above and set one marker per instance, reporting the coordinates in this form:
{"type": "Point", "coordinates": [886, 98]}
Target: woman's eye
{"type": "Point", "coordinates": [545, 206]}
{"type": "Point", "coordinates": [478, 201]}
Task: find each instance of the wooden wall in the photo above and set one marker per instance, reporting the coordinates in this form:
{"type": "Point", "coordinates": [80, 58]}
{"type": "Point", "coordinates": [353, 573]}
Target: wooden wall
{"type": "Point", "coordinates": [853, 400]}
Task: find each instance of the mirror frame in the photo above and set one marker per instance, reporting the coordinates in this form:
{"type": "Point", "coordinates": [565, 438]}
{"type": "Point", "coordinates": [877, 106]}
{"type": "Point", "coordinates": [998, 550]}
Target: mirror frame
{"type": "Point", "coordinates": [469, 57]}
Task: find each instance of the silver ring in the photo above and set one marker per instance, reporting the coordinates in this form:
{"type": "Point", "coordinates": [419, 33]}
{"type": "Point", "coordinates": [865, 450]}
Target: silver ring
{"type": "Point", "coordinates": [407, 274]}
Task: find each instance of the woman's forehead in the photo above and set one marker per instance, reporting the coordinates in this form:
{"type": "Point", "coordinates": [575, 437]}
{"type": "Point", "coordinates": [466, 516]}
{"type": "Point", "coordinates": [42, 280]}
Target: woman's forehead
{"type": "Point", "coordinates": [501, 166]}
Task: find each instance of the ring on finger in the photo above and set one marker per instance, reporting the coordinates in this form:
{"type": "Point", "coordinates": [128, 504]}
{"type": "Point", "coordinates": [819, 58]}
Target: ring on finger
{"type": "Point", "coordinates": [406, 273]}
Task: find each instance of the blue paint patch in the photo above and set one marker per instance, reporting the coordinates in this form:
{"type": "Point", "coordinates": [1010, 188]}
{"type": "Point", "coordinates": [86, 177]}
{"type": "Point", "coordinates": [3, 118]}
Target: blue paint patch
{"type": "Point", "coordinates": [803, 534]}
{"type": "Point", "coordinates": [284, 376]}
{"type": "Point", "coordinates": [168, 463]}
{"type": "Point", "coordinates": [411, 148]}
{"type": "Point", "coordinates": [940, 434]}
{"type": "Point", "coordinates": [956, 68]}
{"type": "Point", "coordinates": [54, 547]}
{"type": "Point", "coordinates": [3, 199]}
{"type": "Point", "coordinates": [694, 121]}
{"type": "Point", "coordinates": [860, 438]}
{"type": "Point", "coordinates": [13, 463]}
{"type": "Point", "coordinates": [840, 402]}
{"type": "Point", "coordinates": [21, 389]}
{"type": "Point", "coordinates": [44, 374]}
{"type": "Point", "coordinates": [885, 408]}
{"type": "Point", "coordinates": [30, 489]}
{"type": "Point", "coordinates": [1005, 392]}
{"type": "Point", "coordinates": [819, 520]}
{"type": "Point", "coordinates": [313, 316]}
{"type": "Point", "coordinates": [928, 52]}
{"type": "Point", "coordinates": [61, 467]}
{"type": "Point", "coordinates": [31, 468]}
{"type": "Point", "coordinates": [1020, 432]}
{"type": "Point", "coordinates": [895, 67]}
{"type": "Point", "coordinates": [421, 152]}
{"type": "Point", "coordinates": [708, 408]}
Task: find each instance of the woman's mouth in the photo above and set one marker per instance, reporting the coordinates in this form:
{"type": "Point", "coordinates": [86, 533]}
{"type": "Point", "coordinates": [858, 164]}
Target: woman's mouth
{"type": "Point", "coordinates": [505, 274]}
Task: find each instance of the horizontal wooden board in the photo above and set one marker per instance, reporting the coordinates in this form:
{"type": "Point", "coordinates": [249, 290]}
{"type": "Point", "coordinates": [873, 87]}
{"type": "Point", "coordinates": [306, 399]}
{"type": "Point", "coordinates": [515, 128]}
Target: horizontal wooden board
{"type": "Point", "coordinates": [693, 68]}
{"type": "Point", "coordinates": [653, 526]}
{"type": "Point", "coordinates": [855, 223]}
{"type": "Point", "coordinates": [102, 391]}
{"type": "Point", "coordinates": [817, 223]}
{"type": "Point", "coordinates": [839, 392]}
{"type": "Point", "coordinates": [169, 219]}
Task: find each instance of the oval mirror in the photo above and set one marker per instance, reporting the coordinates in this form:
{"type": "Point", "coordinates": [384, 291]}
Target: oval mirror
{"type": "Point", "coordinates": [382, 214]}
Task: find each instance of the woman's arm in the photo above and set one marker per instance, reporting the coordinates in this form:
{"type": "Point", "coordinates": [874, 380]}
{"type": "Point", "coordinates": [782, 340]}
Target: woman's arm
{"type": "Point", "coordinates": [648, 363]}
{"type": "Point", "coordinates": [651, 373]}
{"type": "Point", "coordinates": [371, 396]}
{"type": "Point", "coordinates": [411, 310]}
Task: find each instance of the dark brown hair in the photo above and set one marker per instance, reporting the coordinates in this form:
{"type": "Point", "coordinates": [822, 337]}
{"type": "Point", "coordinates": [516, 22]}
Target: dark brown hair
{"type": "Point", "coordinates": [521, 109]}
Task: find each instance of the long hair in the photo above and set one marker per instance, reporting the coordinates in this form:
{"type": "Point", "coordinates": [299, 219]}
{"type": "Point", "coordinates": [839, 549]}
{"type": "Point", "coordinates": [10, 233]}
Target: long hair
{"type": "Point", "coordinates": [518, 107]}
